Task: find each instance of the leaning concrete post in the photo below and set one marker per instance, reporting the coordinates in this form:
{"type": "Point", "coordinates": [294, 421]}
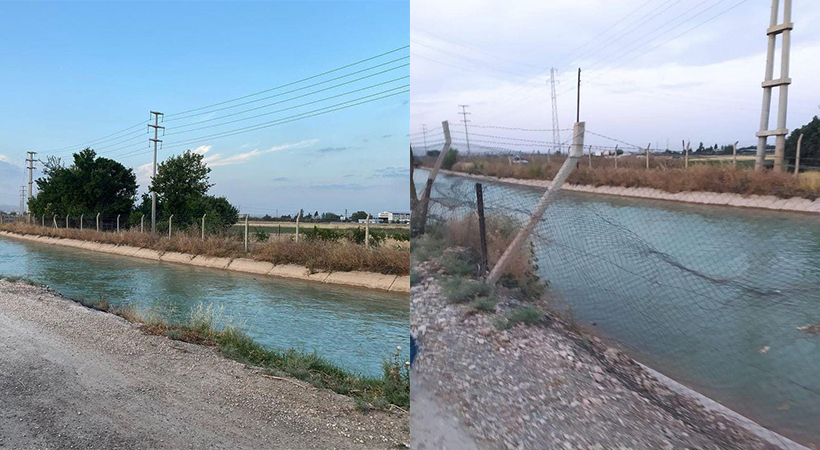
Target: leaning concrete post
{"type": "Point", "coordinates": [81, 221]}
{"type": "Point", "coordinates": [54, 219]}
{"type": "Point", "coordinates": [299, 215]}
{"type": "Point", "coordinates": [118, 223]}
{"type": "Point", "coordinates": [203, 226]}
{"type": "Point", "coordinates": [734, 155]}
{"type": "Point", "coordinates": [367, 231]}
{"type": "Point", "coordinates": [246, 231]}
{"type": "Point", "coordinates": [575, 153]}
{"type": "Point", "coordinates": [424, 201]}
{"type": "Point", "coordinates": [98, 221]}
{"type": "Point", "coordinates": [797, 156]}
{"type": "Point", "coordinates": [647, 155]}
{"type": "Point", "coordinates": [169, 225]}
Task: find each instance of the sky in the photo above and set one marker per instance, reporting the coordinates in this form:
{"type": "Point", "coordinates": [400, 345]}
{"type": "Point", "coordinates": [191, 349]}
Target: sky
{"type": "Point", "coordinates": [653, 71]}
{"type": "Point", "coordinates": [74, 72]}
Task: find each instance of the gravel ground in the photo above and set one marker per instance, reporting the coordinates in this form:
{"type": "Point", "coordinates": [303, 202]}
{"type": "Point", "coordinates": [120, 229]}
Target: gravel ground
{"type": "Point", "coordinates": [75, 378]}
{"type": "Point", "coordinates": [542, 387]}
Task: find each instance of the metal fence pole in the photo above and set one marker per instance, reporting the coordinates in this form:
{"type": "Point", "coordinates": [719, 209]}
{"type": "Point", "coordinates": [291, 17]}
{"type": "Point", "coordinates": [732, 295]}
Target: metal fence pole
{"type": "Point", "coordinates": [482, 229]}
{"type": "Point", "coordinates": [98, 221]}
{"type": "Point", "coordinates": [298, 216]}
{"type": "Point", "coordinates": [367, 231]}
{"type": "Point", "coordinates": [575, 153]}
{"type": "Point", "coordinates": [246, 231]}
{"type": "Point", "coordinates": [170, 218]}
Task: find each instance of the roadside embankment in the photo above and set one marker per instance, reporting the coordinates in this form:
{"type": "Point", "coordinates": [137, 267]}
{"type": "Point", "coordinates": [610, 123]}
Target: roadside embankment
{"type": "Point", "coordinates": [73, 377]}
{"type": "Point", "coordinates": [770, 202]}
{"type": "Point", "coordinates": [362, 279]}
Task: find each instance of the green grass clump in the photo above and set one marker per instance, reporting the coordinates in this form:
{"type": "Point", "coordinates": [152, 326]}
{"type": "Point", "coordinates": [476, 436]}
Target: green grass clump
{"type": "Point", "coordinates": [528, 315]}
{"type": "Point", "coordinates": [461, 290]}
{"type": "Point", "coordinates": [484, 304]}
{"type": "Point", "coordinates": [415, 277]}
{"type": "Point", "coordinates": [455, 265]}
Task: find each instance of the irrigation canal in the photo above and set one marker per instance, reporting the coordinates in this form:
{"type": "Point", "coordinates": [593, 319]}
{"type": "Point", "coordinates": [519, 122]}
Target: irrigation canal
{"type": "Point", "coordinates": [711, 296]}
{"type": "Point", "coordinates": [355, 328]}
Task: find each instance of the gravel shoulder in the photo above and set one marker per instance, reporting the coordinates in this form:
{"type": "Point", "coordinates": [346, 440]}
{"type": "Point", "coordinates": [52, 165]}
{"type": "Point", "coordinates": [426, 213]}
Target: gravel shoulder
{"type": "Point", "coordinates": [535, 387]}
{"type": "Point", "coordinates": [72, 377]}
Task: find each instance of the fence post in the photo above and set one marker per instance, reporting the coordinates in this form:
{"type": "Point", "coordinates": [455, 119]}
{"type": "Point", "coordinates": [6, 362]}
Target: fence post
{"type": "Point", "coordinates": [246, 231]}
{"type": "Point", "coordinates": [66, 220]}
{"type": "Point", "coordinates": [81, 221]}
{"type": "Point", "coordinates": [734, 155]}
{"type": "Point", "coordinates": [54, 219]}
{"type": "Point", "coordinates": [590, 156]}
{"type": "Point", "coordinates": [169, 225]}
{"type": "Point", "coordinates": [98, 221]}
{"type": "Point", "coordinates": [367, 231]}
{"type": "Point", "coordinates": [142, 223]}
{"type": "Point", "coordinates": [298, 215]}
{"type": "Point", "coordinates": [575, 153]}
{"type": "Point", "coordinates": [118, 223]}
{"type": "Point", "coordinates": [424, 201]}
{"type": "Point", "coordinates": [797, 156]}
{"type": "Point", "coordinates": [616, 156]}
{"type": "Point", "coordinates": [44, 221]}
{"type": "Point", "coordinates": [482, 230]}
{"type": "Point", "coordinates": [203, 226]}
{"type": "Point", "coordinates": [647, 155]}
{"type": "Point", "coordinates": [685, 154]}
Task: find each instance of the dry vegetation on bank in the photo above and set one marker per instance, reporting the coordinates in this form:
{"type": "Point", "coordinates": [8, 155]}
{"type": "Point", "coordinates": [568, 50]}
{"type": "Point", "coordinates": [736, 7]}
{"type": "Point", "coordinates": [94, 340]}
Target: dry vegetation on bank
{"type": "Point", "coordinates": [315, 255]}
{"type": "Point", "coordinates": [666, 174]}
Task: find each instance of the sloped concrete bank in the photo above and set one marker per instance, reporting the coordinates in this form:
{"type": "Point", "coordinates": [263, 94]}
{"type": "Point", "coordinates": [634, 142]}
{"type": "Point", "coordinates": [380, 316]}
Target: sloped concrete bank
{"type": "Point", "coordinates": [795, 204]}
{"type": "Point", "coordinates": [368, 280]}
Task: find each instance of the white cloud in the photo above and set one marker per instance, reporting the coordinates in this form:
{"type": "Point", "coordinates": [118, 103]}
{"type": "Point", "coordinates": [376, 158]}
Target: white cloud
{"type": "Point", "coordinates": [218, 159]}
{"type": "Point", "coordinates": [202, 149]}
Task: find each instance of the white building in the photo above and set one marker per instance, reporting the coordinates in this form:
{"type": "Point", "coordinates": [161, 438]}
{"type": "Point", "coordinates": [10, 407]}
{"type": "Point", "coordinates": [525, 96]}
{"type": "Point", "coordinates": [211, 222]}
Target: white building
{"type": "Point", "coordinates": [394, 217]}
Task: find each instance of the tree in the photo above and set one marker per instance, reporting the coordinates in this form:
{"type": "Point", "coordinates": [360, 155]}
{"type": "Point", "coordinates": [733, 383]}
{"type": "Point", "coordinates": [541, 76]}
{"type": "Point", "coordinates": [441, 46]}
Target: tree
{"type": "Point", "coordinates": [182, 186]}
{"type": "Point", "coordinates": [450, 159]}
{"type": "Point", "coordinates": [810, 147]}
{"type": "Point", "coordinates": [330, 217]}
{"type": "Point", "coordinates": [358, 215]}
{"type": "Point", "coordinates": [90, 185]}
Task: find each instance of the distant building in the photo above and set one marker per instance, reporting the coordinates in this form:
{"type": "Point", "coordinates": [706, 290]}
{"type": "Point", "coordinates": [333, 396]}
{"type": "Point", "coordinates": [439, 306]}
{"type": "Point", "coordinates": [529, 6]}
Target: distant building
{"type": "Point", "coordinates": [394, 217]}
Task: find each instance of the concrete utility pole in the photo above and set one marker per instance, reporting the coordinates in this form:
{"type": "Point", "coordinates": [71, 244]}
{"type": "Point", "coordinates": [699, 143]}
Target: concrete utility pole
{"type": "Point", "coordinates": [424, 134]}
{"type": "Point", "coordinates": [30, 160]}
{"type": "Point", "coordinates": [734, 155]}
{"type": "Point", "coordinates": [22, 200]}
{"type": "Point", "coordinates": [464, 113]}
{"type": "Point", "coordinates": [155, 140]}
{"type": "Point", "coordinates": [578, 102]}
{"type": "Point", "coordinates": [556, 134]}
{"type": "Point", "coordinates": [768, 83]}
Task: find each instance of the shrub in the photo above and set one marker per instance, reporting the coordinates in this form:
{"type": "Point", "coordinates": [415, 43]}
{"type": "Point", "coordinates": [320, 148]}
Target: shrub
{"type": "Point", "coordinates": [460, 290]}
{"type": "Point", "coordinates": [486, 304]}
{"type": "Point", "coordinates": [450, 159]}
{"type": "Point", "coordinates": [528, 315]}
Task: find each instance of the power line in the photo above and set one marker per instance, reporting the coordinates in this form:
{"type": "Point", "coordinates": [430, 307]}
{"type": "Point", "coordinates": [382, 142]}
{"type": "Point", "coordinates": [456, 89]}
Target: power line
{"type": "Point", "coordinates": [98, 140]}
{"type": "Point", "coordinates": [292, 82]}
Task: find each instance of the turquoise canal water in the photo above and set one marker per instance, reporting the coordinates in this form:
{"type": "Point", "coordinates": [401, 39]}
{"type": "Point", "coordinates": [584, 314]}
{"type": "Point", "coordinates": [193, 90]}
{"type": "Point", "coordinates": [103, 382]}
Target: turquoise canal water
{"type": "Point", "coordinates": [710, 296]}
{"type": "Point", "coordinates": [354, 328]}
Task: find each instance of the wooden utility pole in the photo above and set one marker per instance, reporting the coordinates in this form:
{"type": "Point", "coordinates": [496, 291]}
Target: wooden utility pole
{"type": "Point", "coordinates": [155, 140]}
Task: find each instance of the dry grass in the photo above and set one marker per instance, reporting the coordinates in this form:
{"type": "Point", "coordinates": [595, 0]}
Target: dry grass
{"type": "Point", "coordinates": [666, 174]}
{"type": "Point", "coordinates": [332, 256]}
{"type": "Point", "coordinates": [500, 233]}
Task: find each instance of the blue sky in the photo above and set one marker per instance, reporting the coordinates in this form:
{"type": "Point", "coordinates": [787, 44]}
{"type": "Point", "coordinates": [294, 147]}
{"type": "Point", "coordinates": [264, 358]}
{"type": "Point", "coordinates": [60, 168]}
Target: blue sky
{"type": "Point", "coordinates": [73, 72]}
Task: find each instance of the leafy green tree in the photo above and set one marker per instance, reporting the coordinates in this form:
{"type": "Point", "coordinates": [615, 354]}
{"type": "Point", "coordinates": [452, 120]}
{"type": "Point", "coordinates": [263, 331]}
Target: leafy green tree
{"type": "Point", "coordinates": [330, 217]}
{"type": "Point", "coordinates": [810, 147]}
{"type": "Point", "coordinates": [358, 215]}
{"type": "Point", "coordinates": [90, 184]}
{"type": "Point", "coordinates": [450, 159]}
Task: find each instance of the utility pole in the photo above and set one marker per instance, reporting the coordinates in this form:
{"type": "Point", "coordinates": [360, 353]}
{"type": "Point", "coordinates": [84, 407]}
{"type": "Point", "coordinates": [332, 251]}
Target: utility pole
{"type": "Point", "coordinates": [578, 103]}
{"type": "Point", "coordinates": [556, 134]}
{"type": "Point", "coordinates": [22, 200]}
{"type": "Point", "coordinates": [155, 140]}
{"type": "Point", "coordinates": [768, 83]}
{"type": "Point", "coordinates": [30, 160]}
{"type": "Point", "coordinates": [465, 113]}
{"type": "Point", "coordinates": [424, 133]}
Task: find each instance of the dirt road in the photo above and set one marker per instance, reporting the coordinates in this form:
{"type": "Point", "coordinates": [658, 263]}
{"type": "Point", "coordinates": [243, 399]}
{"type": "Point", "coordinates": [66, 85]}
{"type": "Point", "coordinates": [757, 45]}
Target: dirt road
{"type": "Point", "coordinates": [74, 378]}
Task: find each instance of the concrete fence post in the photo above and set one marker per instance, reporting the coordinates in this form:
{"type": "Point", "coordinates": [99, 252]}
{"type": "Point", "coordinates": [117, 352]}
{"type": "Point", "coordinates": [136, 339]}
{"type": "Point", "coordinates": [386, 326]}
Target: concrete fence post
{"type": "Point", "coordinates": [797, 156]}
{"type": "Point", "coordinates": [575, 153]}
{"type": "Point", "coordinates": [170, 218]}
{"type": "Point", "coordinates": [647, 155]}
{"type": "Point", "coordinates": [203, 226]}
{"type": "Point", "coordinates": [98, 221]}
{"type": "Point", "coordinates": [118, 223]}
{"type": "Point", "coordinates": [423, 204]}
{"type": "Point", "coordinates": [298, 216]}
{"type": "Point", "coordinates": [54, 219]}
{"type": "Point", "coordinates": [590, 156]}
{"type": "Point", "coordinates": [246, 231]}
{"type": "Point", "coordinates": [142, 223]}
{"type": "Point", "coordinates": [685, 154]}
{"type": "Point", "coordinates": [734, 155]}
{"type": "Point", "coordinates": [367, 231]}
{"type": "Point", "coordinates": [81, 221]}
{"type": "Point", "coordinates": [616, 156]}
{"type": "Point", "coordinates": [66, 220]}
{"type": "Point", "coordinates": [43, 224]}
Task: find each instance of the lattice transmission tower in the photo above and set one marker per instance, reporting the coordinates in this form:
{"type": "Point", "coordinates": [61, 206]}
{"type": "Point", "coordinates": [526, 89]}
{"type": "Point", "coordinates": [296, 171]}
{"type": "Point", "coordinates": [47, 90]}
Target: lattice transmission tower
{"type": "Point", "coordinates": [556, 133]}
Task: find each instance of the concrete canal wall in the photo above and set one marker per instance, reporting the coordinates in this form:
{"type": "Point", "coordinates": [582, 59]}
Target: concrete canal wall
{"type": "Point", "coordinates": [368, 280]}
